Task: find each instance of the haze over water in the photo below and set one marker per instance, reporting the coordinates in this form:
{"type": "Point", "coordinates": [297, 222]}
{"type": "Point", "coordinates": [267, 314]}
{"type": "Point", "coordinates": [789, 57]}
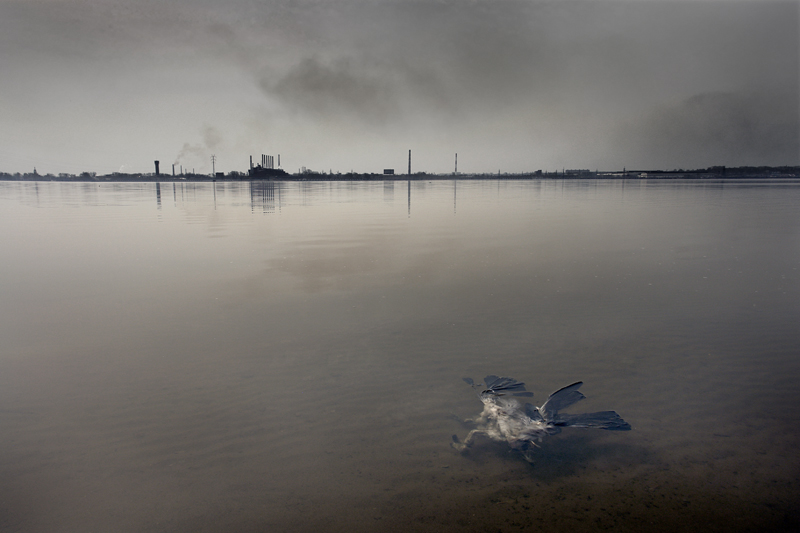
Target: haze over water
{"type": "Point", "coordinates": [288, 356]}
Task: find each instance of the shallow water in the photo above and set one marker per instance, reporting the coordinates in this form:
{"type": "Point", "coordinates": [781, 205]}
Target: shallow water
{"type": "Point", "coordinates": [288, 356]}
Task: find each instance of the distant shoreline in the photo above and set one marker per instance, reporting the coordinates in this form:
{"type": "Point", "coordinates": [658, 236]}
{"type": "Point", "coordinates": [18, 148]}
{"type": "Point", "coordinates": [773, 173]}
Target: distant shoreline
{"type": "Point", "coordinates": [786, 172]}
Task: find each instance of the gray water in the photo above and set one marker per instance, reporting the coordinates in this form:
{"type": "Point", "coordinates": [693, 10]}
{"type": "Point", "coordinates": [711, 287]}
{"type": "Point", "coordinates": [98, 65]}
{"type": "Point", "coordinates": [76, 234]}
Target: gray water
{"type": "Point", "coordinates": [288, 356]}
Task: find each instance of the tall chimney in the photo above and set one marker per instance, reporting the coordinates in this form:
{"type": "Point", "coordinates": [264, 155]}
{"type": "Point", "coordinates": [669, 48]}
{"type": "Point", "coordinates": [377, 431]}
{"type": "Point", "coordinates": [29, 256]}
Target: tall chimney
{"type": "Point", "coordinates": [456, 162]}
{"type": "Point", "coordinates": [409, 162]}
{"type": "Point", "coordinates": [157, 168]}
{"type": "Point", "coordinates": [251, 162]}
{"type": "Point", "coordinates": [279, 160]}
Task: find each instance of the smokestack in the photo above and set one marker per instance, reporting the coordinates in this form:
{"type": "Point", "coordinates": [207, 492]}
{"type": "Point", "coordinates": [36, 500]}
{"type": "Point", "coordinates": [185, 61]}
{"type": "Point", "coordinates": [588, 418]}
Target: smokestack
{"type": "Point", "coordinates": [157, 168]}
{"type": "Point", "coordinates": [409, 162]}
{"type": "Point", "coordinates": [173, 169]}
{"type": "Point", "coordinates": [456, 163]}
{"type": "Point", "coordinates": [251, 162]}
{"type": "Point", "coordinates": [279, 159]}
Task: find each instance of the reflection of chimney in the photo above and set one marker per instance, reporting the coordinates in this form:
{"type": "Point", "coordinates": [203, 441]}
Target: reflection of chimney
{"type": "Point", "coordinates": [156, 168]}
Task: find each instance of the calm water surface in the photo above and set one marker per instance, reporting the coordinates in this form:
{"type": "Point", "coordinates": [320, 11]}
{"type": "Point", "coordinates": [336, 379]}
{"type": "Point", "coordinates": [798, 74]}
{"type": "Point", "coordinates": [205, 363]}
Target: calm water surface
{"type": "Point", "coordinates": [288, 356]}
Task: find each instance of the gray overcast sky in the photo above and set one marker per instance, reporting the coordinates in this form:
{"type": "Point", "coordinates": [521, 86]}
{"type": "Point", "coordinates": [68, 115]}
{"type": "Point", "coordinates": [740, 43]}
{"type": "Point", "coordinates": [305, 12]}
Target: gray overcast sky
{"type": "Point", "coordinates": [111, 85]}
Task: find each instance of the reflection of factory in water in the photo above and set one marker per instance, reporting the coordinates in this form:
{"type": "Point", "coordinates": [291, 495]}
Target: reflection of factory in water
{"type": "Point", "coordinates": [262, 196]}
{"type": "Point", "coordinates": [267, 169]}
{"type": "Point", "coordinates": [265, 195]}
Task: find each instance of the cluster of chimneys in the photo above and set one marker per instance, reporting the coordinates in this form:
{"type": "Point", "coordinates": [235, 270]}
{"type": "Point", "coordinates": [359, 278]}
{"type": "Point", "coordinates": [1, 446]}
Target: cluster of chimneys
{"type": "Point", "coordinates": [267, 161]}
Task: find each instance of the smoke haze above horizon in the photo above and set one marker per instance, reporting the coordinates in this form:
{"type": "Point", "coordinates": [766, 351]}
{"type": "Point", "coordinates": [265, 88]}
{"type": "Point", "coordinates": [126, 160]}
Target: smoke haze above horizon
{"type": "Point", "coordinates": [110, 85]}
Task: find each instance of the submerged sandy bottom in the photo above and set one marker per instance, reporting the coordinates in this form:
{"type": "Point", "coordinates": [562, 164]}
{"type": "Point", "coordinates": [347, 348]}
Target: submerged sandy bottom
{"type": "Point", "coordinates": [249, 443]}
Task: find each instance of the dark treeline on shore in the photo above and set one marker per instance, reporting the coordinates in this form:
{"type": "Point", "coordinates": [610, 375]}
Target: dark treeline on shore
{"type": "Point", "coordinates": [716, 172]}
